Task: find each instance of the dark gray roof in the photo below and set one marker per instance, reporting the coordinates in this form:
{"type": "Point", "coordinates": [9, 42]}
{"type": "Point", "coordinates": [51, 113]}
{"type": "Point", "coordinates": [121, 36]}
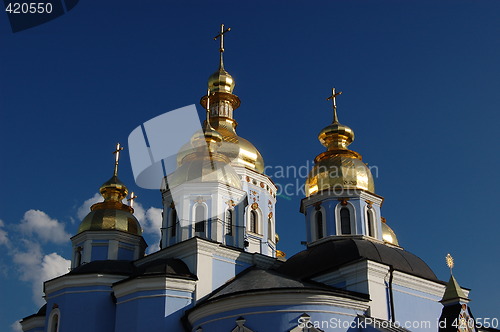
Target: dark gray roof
{"type": "Point", "coordinates": [164, 266]}
{"type": "Point", "coordinates": [119, 267]}
{"type": "Point", "coordinates": [255, 280]}
{"type": "Point", "coordinates": [334, 253]}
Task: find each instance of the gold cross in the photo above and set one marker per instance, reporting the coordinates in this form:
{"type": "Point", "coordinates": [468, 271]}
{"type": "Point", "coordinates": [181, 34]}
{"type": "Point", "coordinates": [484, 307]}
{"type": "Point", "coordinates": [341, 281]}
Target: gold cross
{"type": "Point", "coordinates": [117, 157]}
{"type": "Point", "coordinates": [333, 98]}
{"type": "Point", "coordinates": [131, 199]}
{"type": "Point", "coordinates": [450, 262]}
{"type": "Point", "coordinates": [221, 37]}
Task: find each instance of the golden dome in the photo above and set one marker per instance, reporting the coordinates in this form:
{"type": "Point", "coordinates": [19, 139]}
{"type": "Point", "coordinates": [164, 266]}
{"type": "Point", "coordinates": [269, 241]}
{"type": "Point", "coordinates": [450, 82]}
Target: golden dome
{"type": "Point", "coordinates": [338, 168]}
{"type": "Point", "coordinates": [238, 150]}
{"type": "Point", "coordinates": [221, 81]}
{"type": "Point", "coordinates": [337, 172]}
{"type": "Point", "coordinates": [199, 169]}
{"type": "Point", "coordinates": [388, 234]}
{"type": "Point", "coordinates": [111, 214]}
{"type": "Point", "coordinates": [111, 219]}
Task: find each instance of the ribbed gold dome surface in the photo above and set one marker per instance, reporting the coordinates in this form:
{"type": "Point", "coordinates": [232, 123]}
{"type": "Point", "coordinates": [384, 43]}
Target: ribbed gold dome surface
{"type": "Point", "coordinates": [110, 219]}
{"type": "Point", "coordinates": [111, 214]}
{"type": "Point", "coordinates": [339, 172]}
{"type": "Point", "coordinates": [221, 81]}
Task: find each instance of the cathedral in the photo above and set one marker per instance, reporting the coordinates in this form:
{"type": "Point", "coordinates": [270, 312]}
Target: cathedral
{"type": "Point", "coordinates": [219, 268]}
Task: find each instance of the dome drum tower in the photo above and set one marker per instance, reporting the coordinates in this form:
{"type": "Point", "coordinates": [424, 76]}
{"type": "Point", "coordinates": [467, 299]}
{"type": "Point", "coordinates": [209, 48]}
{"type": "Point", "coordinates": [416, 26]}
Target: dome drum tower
{"type": "Point", "coordinates": [340, 192]}
{"type": "Point", "coordinates": [226, 184]}
{"type": "Point", "coordinates": [110, 231]}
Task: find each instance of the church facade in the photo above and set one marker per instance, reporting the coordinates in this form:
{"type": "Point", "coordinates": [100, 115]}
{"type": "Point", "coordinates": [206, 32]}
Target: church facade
{"type": "Point", "coordinates": [219, 268]}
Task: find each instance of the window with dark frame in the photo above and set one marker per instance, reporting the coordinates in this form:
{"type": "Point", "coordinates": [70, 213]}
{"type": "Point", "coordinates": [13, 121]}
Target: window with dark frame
{"type": "Point", "coordinates": [345, 221]}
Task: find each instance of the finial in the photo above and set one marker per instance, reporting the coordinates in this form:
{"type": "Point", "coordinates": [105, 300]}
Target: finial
{"type": "Point", "coordinates": [131, 199]}
{"type": "Point", "coordinates": [117, 157]}
{"type": "Point", "coordinates": [221, 48]}
{"type": "Point", "coordinates": [333, 98]}
{"type": "Point", "coordinates": [450, 263]}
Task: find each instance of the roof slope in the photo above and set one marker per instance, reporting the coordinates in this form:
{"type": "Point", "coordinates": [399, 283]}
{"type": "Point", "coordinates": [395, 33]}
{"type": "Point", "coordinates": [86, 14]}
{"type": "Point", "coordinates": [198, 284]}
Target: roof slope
{"type": "Point", "coordinates": [255, 280]}
{"type": "Point", "coordinates": [332, 254]}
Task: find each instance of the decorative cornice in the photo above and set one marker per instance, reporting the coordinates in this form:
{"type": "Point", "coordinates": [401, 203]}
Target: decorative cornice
{"type": "Point", "coordinates": [418, 284]}
{"type": "Point", "coordinates": [84, 280]}
{"type": "Point", "coordinates": [107, 235]}
{"type": "Point", "coordinates": [159, 283]}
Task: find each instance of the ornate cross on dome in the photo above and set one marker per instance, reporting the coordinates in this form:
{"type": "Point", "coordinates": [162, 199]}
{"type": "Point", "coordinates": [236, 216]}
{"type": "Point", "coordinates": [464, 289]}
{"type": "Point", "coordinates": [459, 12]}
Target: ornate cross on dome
{"type": "Point", "coordinates": [450, 262]}
{"type": "Point", "coordinates": [117, 157]}
{"type": "Point", "coordinates": [221, 38]}
{"type": "Point", "coordinates": [333, 98]}
{"type": "Point", "coordinates": [131, 199]}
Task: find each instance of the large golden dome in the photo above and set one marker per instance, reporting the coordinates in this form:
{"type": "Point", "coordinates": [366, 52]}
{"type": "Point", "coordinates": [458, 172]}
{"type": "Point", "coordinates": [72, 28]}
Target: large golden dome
{"type": "Point", "coordinates": [111, 214]}
{"type": "Point", "coordinates": [202, 161]}
{"type": "Point", "coordinates": [197, 168]}
{"type": "Point", "coordinates": [338, 168]}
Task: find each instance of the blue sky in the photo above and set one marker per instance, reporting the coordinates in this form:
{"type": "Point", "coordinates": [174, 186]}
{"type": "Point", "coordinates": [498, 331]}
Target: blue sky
{"type": "Point", "coordinates": [420, 85]}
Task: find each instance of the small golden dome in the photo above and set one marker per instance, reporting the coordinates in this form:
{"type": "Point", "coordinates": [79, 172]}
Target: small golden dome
{"type": "Point", "coordinates": [113, 189]}
{"type": "Point", "coordinates": [111, 219]}
{"type": "Point", "coordinates": [336, 136]}
{"type": "Point", "coordinates": [111, 214]}
{"type": "Point", "coordinates": [221, 81]}
{"type": "Point", "coordinates": [388, 234]}
{"type": "Point", "coordinates": [338, 168]}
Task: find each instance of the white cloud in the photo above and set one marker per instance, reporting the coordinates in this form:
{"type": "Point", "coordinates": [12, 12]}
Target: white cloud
{"type": "Point", "coordinates": [34, 267]}
{"type": "Point", "coordinates": [153, 221]}
{"type": "Point", "coordinates": [39, 223]}
{"type": "Point", "coordinates": [84, 209]}
{"type": "Point", "coordinates": [4, 239]}
{"type": "Point", "coordinates": [150, 220]}
{"type": "Point", "coordinates": [16, 326]}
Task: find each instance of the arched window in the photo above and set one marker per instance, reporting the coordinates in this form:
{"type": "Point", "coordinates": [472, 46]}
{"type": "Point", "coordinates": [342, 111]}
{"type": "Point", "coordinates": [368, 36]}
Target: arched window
{"type": "Point", "coordinates": [54, 321]}
{"type": "Point", "coordinates": [253, 221]}
{"type": "Point", "coordinates": [173, 223]}
{"type": "Point", "coordinates": [78, 256]}
{"type": "Point", "coordinates": [319, 225]}
{"type": "Point", "coordinates": [199, 217]}
{"type": "Point", "coordinates": [270, 229]}
{"type": "Point", "coordinates": [369, 223]}
{"type": "Point", "coordinates": [345, 221]}
{"type": "Point", "coordinates": [229, 222]}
